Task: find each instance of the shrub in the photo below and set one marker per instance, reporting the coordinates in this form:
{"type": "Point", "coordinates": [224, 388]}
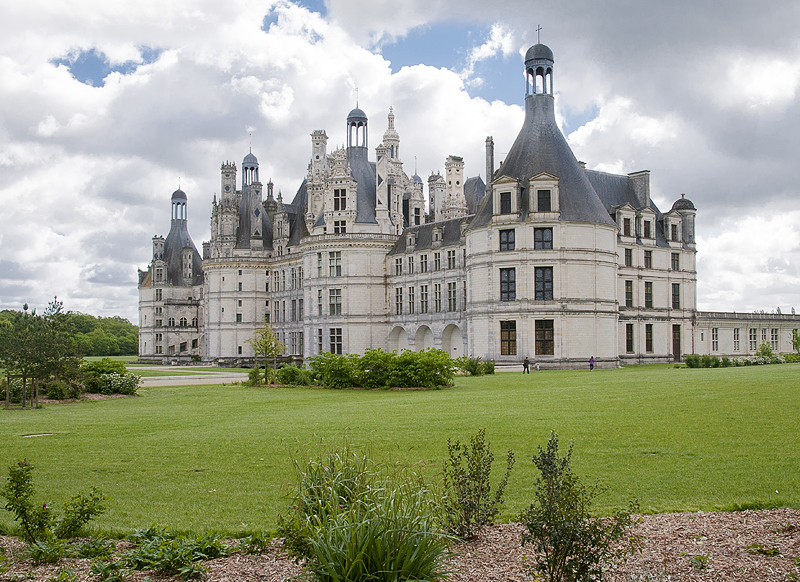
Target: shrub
{"type": "Point", "coordinates": [470, 365]}
{"type": "Point", "coordinates": [431, 368]}
{"type": "Point", "coordinates": [293, 375]}
{"type": "Point", "coordinates": [254, 376]}
{"type": "Point", "coordinates": [488, 367]}
{"type": "Point", "coordinates": [335, 370]}
{"type": "Point", "coordinates": [47, 551]}
{"type": "Point", "coordinates": [708, 361]}
{"type": "Point", "coordinates": [57, 390]}
{"type": "Point", "coordinates": [376, 369]}
{"type": "Point", "coordinates": [468, 501]}
{"type": "Point", "coordinates": [570, 544]}
{"type": "Point", "coordinates": [725, 362]}
{"type": "Point", "coordinates": [353, 522]}
{"type": "Point", "coordinates": [119, 384]}
{"type": "Point", "coordinates": [692, 360]}
{"type": "Point", "coordinates": [791, 358]}
{"type": "Point", "coordinates": [166, 554]}
{"type": "Point", "coordinates": [38, 521]}
{"type": "Point", "coordinates": [104, 366]}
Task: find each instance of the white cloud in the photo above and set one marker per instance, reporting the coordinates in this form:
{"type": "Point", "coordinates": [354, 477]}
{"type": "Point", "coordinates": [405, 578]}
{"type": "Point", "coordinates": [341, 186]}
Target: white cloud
{"type": "Point", "coordinates": [501, 42]}
{"type": "Point", "coordinates": [756, 81]}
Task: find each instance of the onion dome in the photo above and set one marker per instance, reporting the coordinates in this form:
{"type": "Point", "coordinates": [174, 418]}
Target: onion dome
{"type": "Point", "coordinates": [250, 160]}
{"type": "Point", "coordinates": [179, 195]}
{"type": "Point", "coordinates": [539, 52]}
{"type": "Point", "coordinates": [683, 203]}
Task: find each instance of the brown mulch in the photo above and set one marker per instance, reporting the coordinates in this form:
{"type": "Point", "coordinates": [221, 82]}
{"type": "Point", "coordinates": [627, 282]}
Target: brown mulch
{"type": "Point", "coordinates": [676, 547]}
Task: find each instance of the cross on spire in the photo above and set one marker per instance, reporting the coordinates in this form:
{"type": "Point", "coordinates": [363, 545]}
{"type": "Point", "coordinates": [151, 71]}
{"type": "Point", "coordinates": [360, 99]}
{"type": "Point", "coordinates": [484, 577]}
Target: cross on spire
{"type": "Point", "coordinates": [538, 34]}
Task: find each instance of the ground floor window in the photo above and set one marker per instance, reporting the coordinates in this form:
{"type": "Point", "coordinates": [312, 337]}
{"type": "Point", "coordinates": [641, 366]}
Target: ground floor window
{"type": "Point", "coordinates": [319, 340]}
{"type": "Point", "coordinates": [452, 304]}
{"type": "Point", "coordinates": [714, 339]}
{"type": "Point", "coordinates": [437, 297]}
{"type": "Point", "coordinates": [544, 337]}
{"type": "Point", "coordinates": [508, 338]}
{"type": "Point", "coordinates": [753, 339]}
{"type": "Point", "coordinates": [774, 340]}
{"type": "Point", "coordinates": [629, 338]}
{"type": "Point", "coordinates": [336, 340]}
{"type": "Point", "coordinates": [735, 339]}
{"type": "Point", "coordinates": [648, 337]}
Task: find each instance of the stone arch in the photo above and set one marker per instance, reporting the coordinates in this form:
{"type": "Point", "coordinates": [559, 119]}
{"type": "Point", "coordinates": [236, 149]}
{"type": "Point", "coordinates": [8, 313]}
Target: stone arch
{"type": "Point", "coordinates": [398, 340]}
{"type": "Point", "coordinates": [452, 341]}
{"type": "Point", "coordinates": [423, 338]}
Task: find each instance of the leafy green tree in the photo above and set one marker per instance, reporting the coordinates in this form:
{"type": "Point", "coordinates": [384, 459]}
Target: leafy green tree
{"type": "Point", "coordinates": [19, 344]}
{"type": "Point", "coordinates": [796, 341]}
{"type": "Point", "coordinates": [266, 344]}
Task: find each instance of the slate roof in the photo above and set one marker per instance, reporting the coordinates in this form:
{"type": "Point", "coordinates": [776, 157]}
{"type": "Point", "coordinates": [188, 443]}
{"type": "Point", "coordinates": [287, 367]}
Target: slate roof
{"type": "Point", "coordinates": [474, 191]}
{"type": "Point", "coordinates": [364, 174]}
{"type": "Point", "coordinates": [541, 147]}
{"type": "Point", "coordinates": [451, 235]}
{"type": "Point", "coordinates": [178, 238]}
{"type": "Point", "coordinates": [296, 211]}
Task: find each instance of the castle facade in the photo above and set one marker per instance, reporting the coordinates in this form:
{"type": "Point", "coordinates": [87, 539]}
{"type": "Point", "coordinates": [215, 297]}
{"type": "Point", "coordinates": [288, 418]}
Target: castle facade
{"type": "Point", "coordinates": [547, 259]}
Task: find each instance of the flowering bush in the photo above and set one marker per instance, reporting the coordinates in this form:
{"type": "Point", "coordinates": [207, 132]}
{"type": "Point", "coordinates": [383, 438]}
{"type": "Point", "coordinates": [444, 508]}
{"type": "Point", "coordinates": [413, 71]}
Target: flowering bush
{"type": "Point", "coordinates": [118, 384]}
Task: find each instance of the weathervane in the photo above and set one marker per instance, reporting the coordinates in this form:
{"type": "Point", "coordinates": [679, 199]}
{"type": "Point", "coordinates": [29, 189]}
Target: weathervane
{"type": "Point", "coordinates": [539, 34]}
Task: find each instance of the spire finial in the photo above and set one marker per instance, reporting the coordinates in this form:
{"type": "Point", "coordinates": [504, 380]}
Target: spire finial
{"type": "Point", "coordinates": [415, 165]}
{"type": "Point", "coordinates": [539, 34]}
{"type": "Point", "coordinates": [251, 143]}
{"type": "Point", "coordinates": [356, 97]}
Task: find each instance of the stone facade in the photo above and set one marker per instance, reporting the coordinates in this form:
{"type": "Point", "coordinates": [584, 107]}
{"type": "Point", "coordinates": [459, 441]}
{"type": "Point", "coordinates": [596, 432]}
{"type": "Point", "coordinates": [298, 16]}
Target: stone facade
{"type": "Point", "coordinates": [548, 260]}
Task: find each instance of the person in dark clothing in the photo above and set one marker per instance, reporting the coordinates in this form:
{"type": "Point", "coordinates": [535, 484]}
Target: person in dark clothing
{"type": "Point", "coordinates": [591, 363]}
{"type": "Point", "coordinates": [526, 366]}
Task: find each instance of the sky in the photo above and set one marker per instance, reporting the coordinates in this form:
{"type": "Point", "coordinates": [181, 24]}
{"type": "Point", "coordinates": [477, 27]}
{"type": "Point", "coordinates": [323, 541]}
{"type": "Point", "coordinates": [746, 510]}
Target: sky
{"type": "Point", "coordinates": [108, 107]}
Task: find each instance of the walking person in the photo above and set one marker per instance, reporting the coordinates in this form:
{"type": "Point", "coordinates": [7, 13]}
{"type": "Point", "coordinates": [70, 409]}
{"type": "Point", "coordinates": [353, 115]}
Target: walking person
{"type": "Point", "coordinates": [526, 366]}
{"type": "Point", "coordinates": [591, 363]}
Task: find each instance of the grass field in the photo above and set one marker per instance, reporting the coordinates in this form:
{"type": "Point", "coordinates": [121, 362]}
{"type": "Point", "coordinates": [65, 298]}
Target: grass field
{"type": "Point", "coordinates": [219, 458]}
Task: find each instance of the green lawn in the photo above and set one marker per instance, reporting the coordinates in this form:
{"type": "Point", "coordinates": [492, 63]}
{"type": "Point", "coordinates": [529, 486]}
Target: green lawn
{"type": "Point", "coordinates": [213, 457]}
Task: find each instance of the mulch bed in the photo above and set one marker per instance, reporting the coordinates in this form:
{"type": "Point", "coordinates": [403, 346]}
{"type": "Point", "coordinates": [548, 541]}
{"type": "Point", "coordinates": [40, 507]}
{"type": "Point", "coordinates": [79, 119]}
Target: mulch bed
{"type": "Point", "coordinates": [730, 546]}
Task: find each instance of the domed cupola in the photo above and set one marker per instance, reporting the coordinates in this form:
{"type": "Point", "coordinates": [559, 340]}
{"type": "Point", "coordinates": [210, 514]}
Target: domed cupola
{"type": "Point", "coordinates": [357, 129]}
{"type": "Point", "coordinates": [249, 169]}
{"type": "Point", "coordinates": [180, 254]}
{"type": "Point", "coordinates": [683, 203]}
{"type": "Point", "coordinates": [539, 70]}
{"type": "Point", "coordinates": [179, 205]}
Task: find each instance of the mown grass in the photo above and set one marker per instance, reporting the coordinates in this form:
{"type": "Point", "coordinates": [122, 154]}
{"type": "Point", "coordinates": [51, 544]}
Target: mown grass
{"type": "Point", "coordinates": [219, 457]}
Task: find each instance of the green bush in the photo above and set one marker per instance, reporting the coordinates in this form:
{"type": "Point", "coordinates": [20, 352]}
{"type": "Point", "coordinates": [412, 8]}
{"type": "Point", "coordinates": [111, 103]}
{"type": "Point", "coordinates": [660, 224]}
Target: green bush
{"type": "Point", "coordinates": [335, 370]}
{"type": "Point", "coordinates": [119, 384]}
{"type": "Point", "coordinates": [570, 544]}
{"type": "Point", "coordinates": [38, 521]}
{"type": "Point", "coordinates": [468, 501]}
{"type": "Point", "coordinates": [353, 522]}
{"type": "Point", "coordinates": [293, 375]}
{"type": "Point", "coordinates": [791, 358]}
{"type": "Point", "coordinates": [725, 362]}
{"type": "Point", "coordinates": [254, 376]}
{"type": "Point", "coordinates": [429, 368]}
{"type": "Point", "coordinates": [57, 390]}
{"type": "Point", "coordinates": [104, 366]}
{"type": "Point", "coordinates": [692, 360]}
{"type": "Point", "coordinates": [488, 367]}
{"type": "Point", "coordinates": [376, 369]}
{"type": "Point", "coordinates": [471, 365]}
{"type": "Point", "coordinates": [166, 554]}
{"type": "Point", "coordinates": [47, 551]}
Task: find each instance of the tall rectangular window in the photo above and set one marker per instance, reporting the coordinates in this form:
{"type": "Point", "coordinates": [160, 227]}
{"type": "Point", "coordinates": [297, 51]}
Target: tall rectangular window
{"type": "Point", "coordinates": [628, 293]}
{"type": "Point", "coordinates": [674, 232]}
{"type": "Point", "coordinates": [451, 259]}
{"type": "Point", "coordinates": [159, 294]}
{"type": "Point", "coordinates": [628, 257]}
{"type": "Point", "coordinates": [283, 281]}
{"type": "Point", "coordinates": [398, 300]}
{"type": "Point", "coordinates": [774, 339]}
{"type": "Point", "coordinates": [294, 278]}
{"type": "Point", "coordinates": [319, 340]}
{"type": "Point", "coordinates": [410, 265]}
{"type": "Point", "coordinates": [339, 227]}
{"type": "Point", "coordinates": [294, 310]}
{"type": "Point", "coordinates": [508, 338]}
{"type": "Point", "coordinates": [335, 301]}
{"type": "Point", "coordinates": [508, 285]}
{"type": "Point", "coordinates": [543, 200]}
{"type": "Point", "coordinates": [648, 338]}
{"type": "Point", "coordinates": [736, 339]}
{"type": "Point", "coordinates": [423, 299]}
{"type": "Point", "coordinates": [319, 302]}
{"type": "Point", "coordinates": [452, 299]}
{"type": "Point", "coordinates": [411, 300]}
{"type": "Point", "coordinates": [676, 296]}
{"type": "Point", "coordinates": [648, 294]}
{"type": "Point", "coordinates": [238, 318]}
{"type": "Point", "coordinates": [626, 226]}
{"type": "Point", "coordinates": [319, 264]}
{"type": "Point", "coordinates": [505, 202]}
{"type": "Point", "coordinates": [437, 297]}
{"type": "Point", "coordinates": [340, 199]}
{"type": "Point", "coordinates": [543, 238]}
{"type": "Point", "coordinates": [276, 280]}
{"type": "Point", "coordinates": [676, 261]}
{"type": "Point", "coordinates": [629, 338]}
{"type": "Point", "coordinates": [544, 283]}
{"type": "Point", "coordinates": [647, 229]}
{"type": "Point", "coordinates": [714, 339]}
{"type": "Point", "coordinates": [763, 335]}
{"type": "Point", "coordinates": [398, 266]}
{"type": "Point", "coordinates": [335, 263]}
{"type": "Point", "coordinates": [753, 338]}
{"type": "Point", "coordinates": [507, 240]}
{"type": "Point", "coordinates": [648, 259]}
{"type": "Point", "coordinates": [437, 261]}
{"type": "Point", "coordinates": [544, 330]}
{"type": "Point", "coordinates": [423, 263]}
{"type": "Point", "coordinates": [417, 216]}
{"type": "Point", "coordinates": [300, 309]}
{"type": "Point", "coordinates": [336, 340]}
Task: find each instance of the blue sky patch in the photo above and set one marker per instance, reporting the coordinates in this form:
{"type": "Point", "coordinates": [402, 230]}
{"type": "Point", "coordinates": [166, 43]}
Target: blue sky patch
{"type": "Point", "coordinates": [575, 119]}
{"type": "Point", "coordinates": [91, 67]}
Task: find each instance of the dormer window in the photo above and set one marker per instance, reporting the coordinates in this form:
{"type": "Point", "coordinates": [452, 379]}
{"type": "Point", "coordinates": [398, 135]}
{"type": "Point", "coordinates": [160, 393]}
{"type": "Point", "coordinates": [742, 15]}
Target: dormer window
{"type": "Point", "coordinates": [673, 232]}
{"type": "Point", "coordinates": [543, 200]}
{"type": "Point", "coordinates": [626, 226]}
{"type": "Point", "coordinates": [437, 234]}
{"type": "Point", "coordinates": [647, 233]}
{"type": "Point", "coordinates": [340, 199]}
{"type": "Point", "coordinates": [505, 202]}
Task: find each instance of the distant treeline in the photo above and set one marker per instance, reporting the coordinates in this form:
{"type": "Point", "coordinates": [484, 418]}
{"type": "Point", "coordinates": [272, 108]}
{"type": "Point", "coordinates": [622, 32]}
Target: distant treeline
{"type": "Point", "coordinates": [95, 336]}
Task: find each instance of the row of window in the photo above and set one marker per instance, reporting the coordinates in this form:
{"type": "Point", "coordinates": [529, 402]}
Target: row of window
{"type": "Point", "coordinates": [648, 294]}
{"type": "Point", "coordinates": [171, 349]}
{"type": "Point", "coordinates": [280, 313]}
{"type": "Point", "coordinates": [675, 260]}
{"type": "Point", "coordinates": [542, 239]}
{"type": "Point", "coordinates": [543, 202]}
{"type": "Point", "coordinates": [423, 263]}
{"type": "Point", "coordinates": [543, 284]}
{"type": "Point", "coordinates": [182, 322]}
{"type": "Point", "coordinates": [425, 305]}
{"type": "Point", "coordinates": [771, 336]}
{"type": "Point", "coordinates": [544, 337]}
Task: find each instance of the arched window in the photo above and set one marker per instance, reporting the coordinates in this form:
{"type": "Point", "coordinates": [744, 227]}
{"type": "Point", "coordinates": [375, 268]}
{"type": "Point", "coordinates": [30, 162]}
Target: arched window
{"type": "Point", "coordinates": [183, 322]}
{"type": "Point", "coordinates": [171, 321]}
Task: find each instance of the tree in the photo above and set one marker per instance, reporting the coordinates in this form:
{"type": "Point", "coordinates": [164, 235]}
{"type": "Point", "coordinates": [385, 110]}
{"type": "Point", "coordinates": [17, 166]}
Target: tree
{"type": "Point", "coordinates": [796, 341]}
{"type": "Point", "coordinates": [19, 346]}
{"type": "Point", "coordinates": [266, 343]}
